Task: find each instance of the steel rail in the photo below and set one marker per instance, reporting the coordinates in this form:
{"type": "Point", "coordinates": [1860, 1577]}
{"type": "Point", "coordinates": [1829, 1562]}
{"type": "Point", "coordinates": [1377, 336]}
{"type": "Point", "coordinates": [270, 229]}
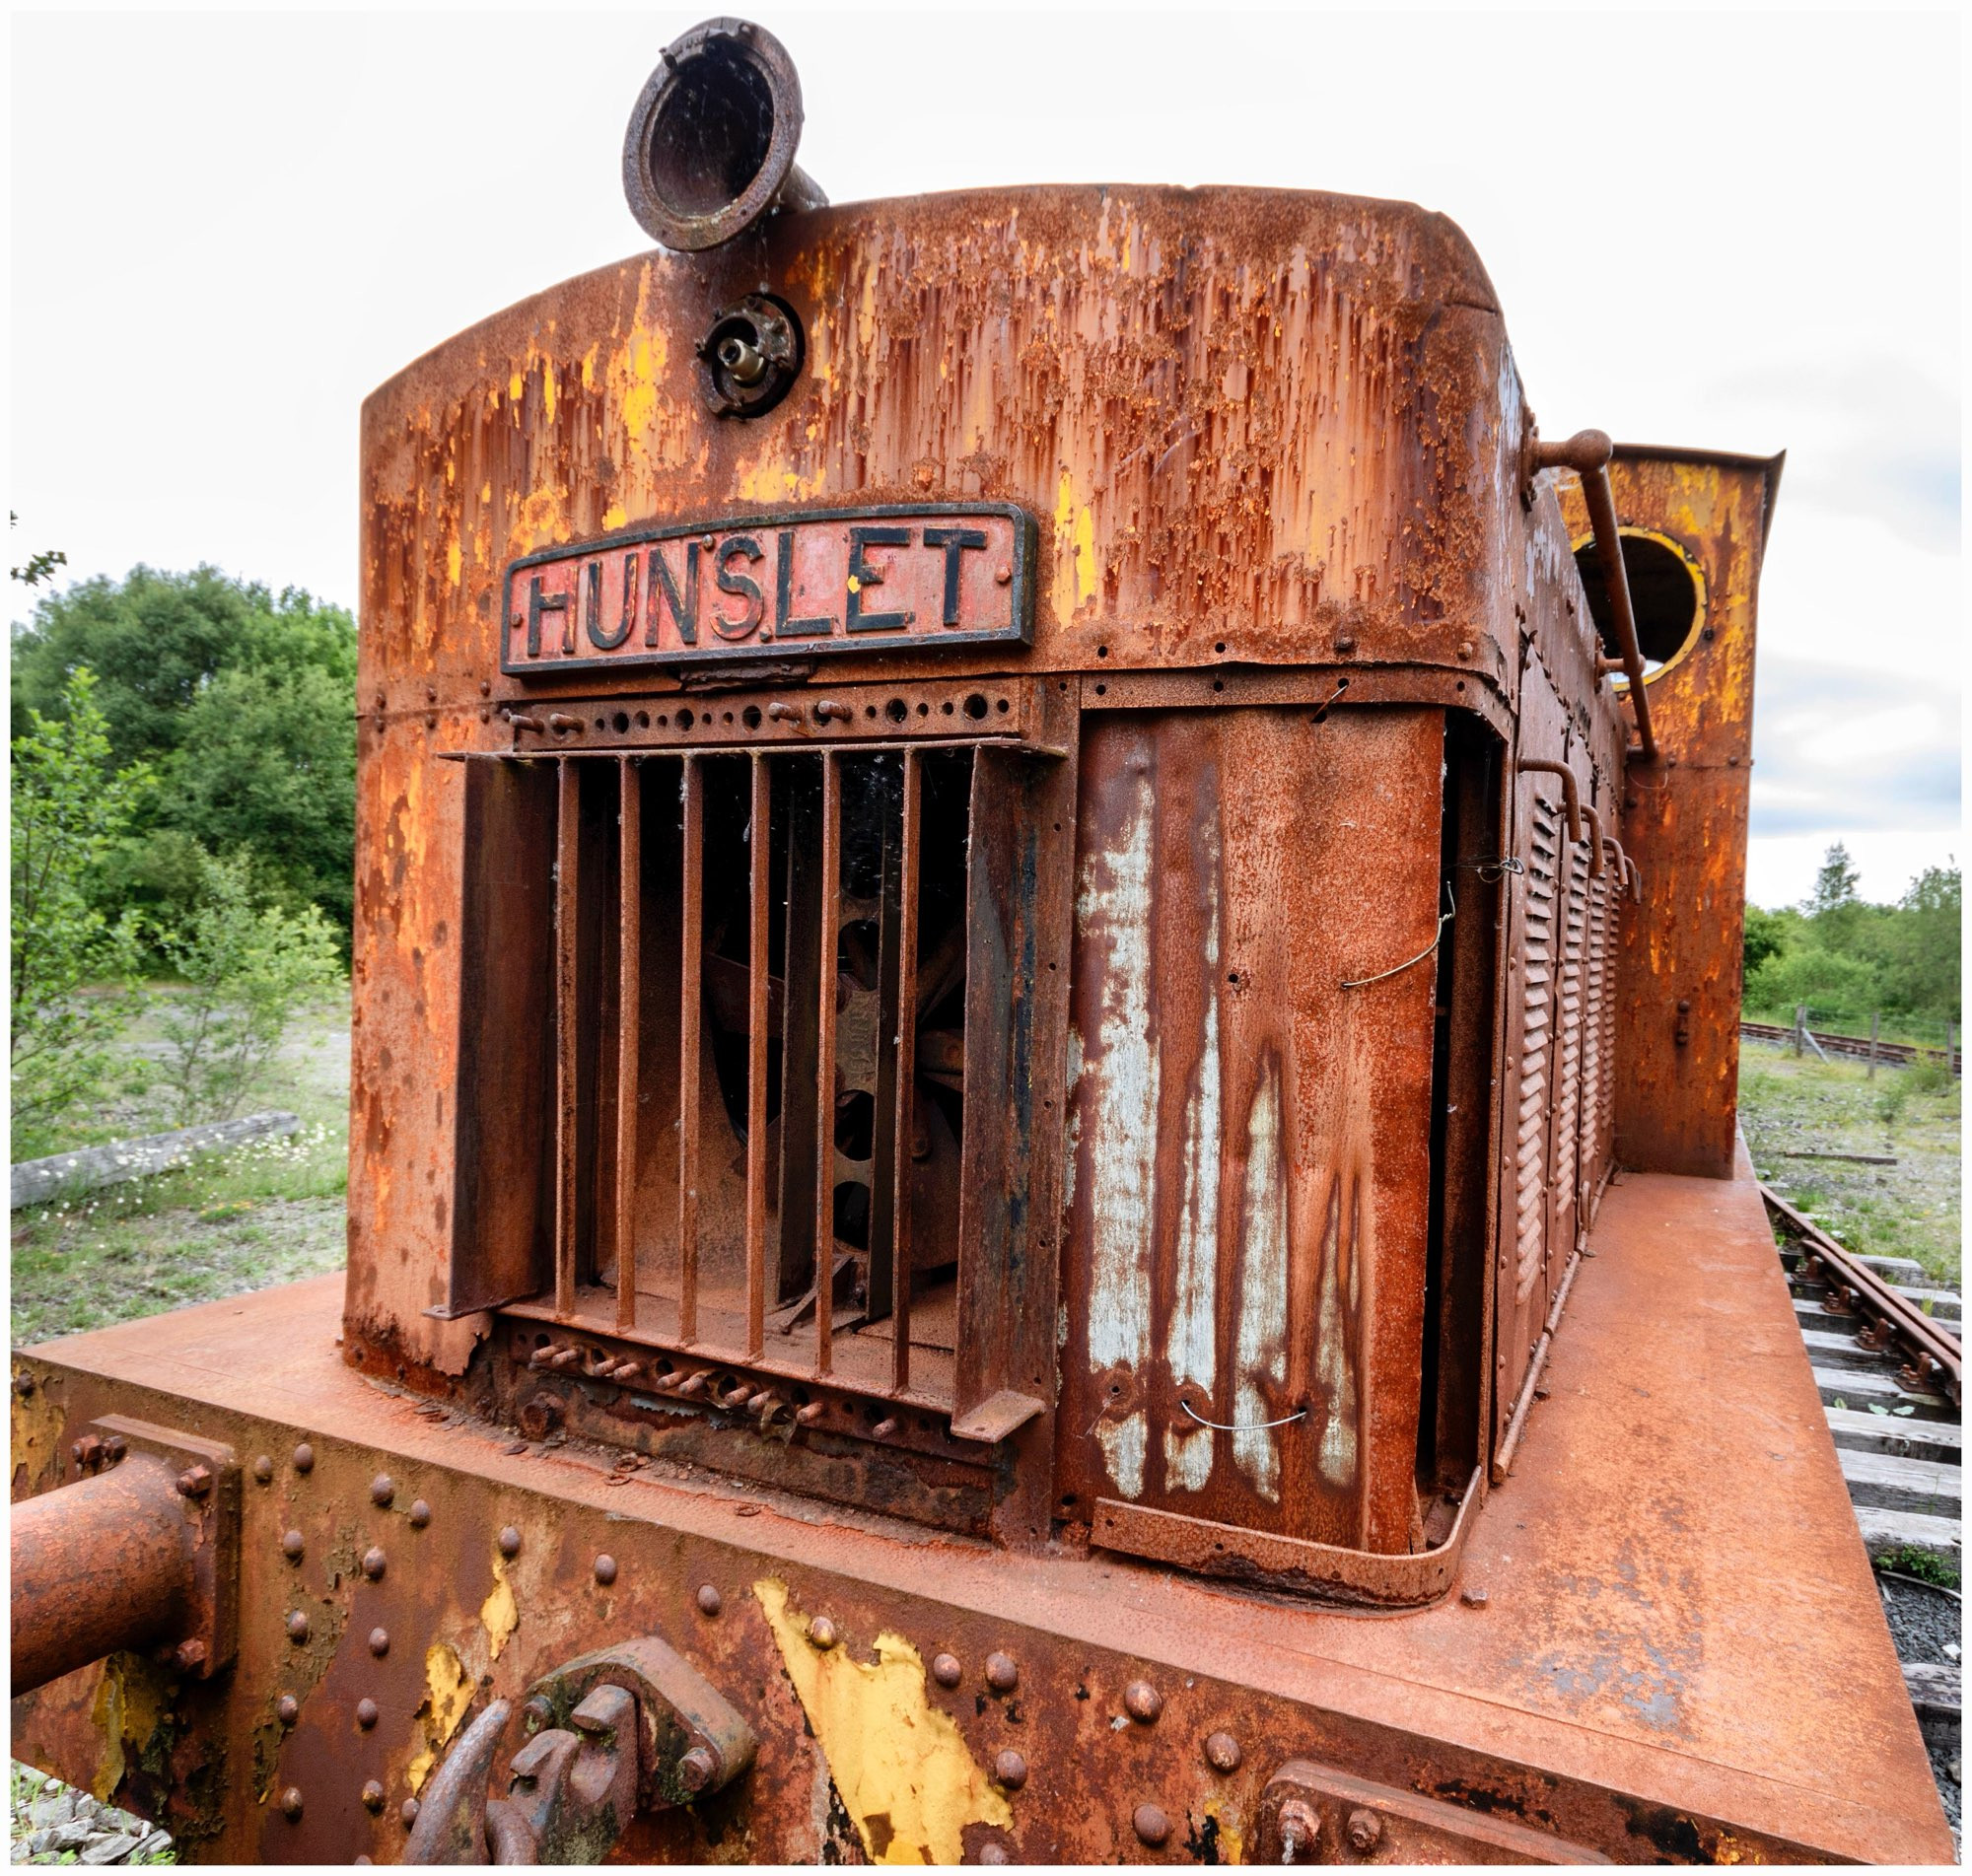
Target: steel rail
{"type": "Point", "coordinates": [1933, 1355]}
{"type": "Point", "coordinates": [1901, 1053]}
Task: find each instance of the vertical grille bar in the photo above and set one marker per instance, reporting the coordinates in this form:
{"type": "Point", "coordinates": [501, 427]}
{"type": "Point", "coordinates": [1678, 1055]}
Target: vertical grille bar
{"type": "Point", "coordinates": [568, 847]}
{"type": "Point", "coordinates": [905, 1129]}
{"type": "Point", "coordinates": [692, 942]}
{"type": "Point", "coordinates": [630, 994]}
{"type": "Point", "coordinates": [824, 1125]}
{"type": "Point", "coordinates": [760, 845]}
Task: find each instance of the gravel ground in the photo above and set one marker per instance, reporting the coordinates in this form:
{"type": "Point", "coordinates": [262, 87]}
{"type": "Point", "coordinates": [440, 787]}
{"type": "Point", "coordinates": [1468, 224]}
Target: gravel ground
{"type": "Point", "coordinates": [1922, 1622]}
{"type": "Point", "coordinates": [52, 1824]}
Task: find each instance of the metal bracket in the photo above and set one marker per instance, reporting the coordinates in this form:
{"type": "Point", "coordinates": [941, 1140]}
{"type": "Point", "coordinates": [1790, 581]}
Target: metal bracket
{"type": "Point", "coordinates": [208, 1484]}
{"type": "Point", "coordinates": [1312, 1814]}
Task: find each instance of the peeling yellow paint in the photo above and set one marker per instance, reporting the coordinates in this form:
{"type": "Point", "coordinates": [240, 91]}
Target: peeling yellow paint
{"type": "Point", "coordinates": [450, 1688]}
{"type": "Point", "coordinates": [614, 516]}
{"type": "Point", "coordinates": [127, 1711]}
{"type": "Point", "coordinates": [645, 366]}
{"type": "Point", "coordinates": [499, 1615]}
{"type": "Point", "coordinates": [454, 562]}
{"type": "Point", "coordinates": [902, 1768]}
{"type": "Point", "coordinates": [516, 388]}
{"type": "Point", "coordinates": [420, 1769]}
{"type": "Point", "coordinates": [589, 367]}
{"type": "Point", "coordinates": [36, 1433]}
{"type": "Point", "coordinates": [1076, 524]}
{"type": "Point", "coordinates": [548, 389]}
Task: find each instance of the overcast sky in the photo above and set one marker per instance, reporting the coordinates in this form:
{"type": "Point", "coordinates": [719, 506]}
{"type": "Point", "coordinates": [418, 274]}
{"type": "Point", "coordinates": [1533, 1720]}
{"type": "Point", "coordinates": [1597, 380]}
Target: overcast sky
{"type": "Point", "coordinates": [1732, 231]}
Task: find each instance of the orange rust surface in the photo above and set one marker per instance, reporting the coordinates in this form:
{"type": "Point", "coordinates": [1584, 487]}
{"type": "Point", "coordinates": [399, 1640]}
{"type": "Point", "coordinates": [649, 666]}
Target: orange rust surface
{"type": "Point", "coordinates": [1678, 1610]}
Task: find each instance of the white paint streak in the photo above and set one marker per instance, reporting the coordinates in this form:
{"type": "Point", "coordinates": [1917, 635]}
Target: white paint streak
{"type": "Point", "coordinates": [1190, 1351]}
{"type": "Point", "coordinates": [1187, 1459]}
{"type": "Point", "coordinates": [1123, 1445]}
{"type": "Point", "coordinates": [1263, 1292]}
{"type": "Point", "coordinates": [1335, 1452]}
{"type": "Point", "coordinates": [1113, 906]}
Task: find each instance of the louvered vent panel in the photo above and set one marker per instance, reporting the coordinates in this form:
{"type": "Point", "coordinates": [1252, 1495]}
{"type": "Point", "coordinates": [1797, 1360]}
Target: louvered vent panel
{"type": "Point", "coordinates": [1569, 1026]}
{"type": "Point", "coordinates": [1536, 1036]}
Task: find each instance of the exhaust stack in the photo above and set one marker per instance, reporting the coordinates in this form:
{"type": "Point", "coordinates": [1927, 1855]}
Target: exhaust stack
{"type": "Point", "coordinates": [710, 149]}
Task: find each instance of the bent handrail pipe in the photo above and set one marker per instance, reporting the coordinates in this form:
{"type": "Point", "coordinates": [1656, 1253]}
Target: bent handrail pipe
{"type": "Point", "coordinates": [1587, 452]}
{"type": "Point", "coordinates": [1571, 794]}
{"type": "Point", "coordinates": [710, 148]}
{"type": "Point", "coordinates": [98, 1567]}
{"type": "Point", "coordinates": [1595, 841]}
{"type": "Point", "coordinates": [1628, 879]}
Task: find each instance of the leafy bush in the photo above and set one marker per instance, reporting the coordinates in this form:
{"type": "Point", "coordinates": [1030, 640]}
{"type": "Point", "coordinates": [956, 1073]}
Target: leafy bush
{"type": "Point", "coordinates": [250, 968]}
{"type": "Point", "coordinates": [70, 966]}
{"type": "Point", "coordinates": [1831, 983]}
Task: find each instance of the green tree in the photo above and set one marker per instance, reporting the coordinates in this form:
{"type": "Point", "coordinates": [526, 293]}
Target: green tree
{"type": "Point", "coordinates": [69, 805]}
{"type": "Point", "coordinates": [1834, 885]}
{"type": "Point", "coordinates": [244, 703]}
{"type": "Point", "coordinates": [1766, 936]}
{"type": "Point", "coordinates": [249, 970]}
{"type": "Point", "coordinates": [1922, 945]}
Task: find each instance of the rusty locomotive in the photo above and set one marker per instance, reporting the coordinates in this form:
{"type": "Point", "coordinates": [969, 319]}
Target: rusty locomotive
{"type": "Point", "coordinates": [1043, 1160]}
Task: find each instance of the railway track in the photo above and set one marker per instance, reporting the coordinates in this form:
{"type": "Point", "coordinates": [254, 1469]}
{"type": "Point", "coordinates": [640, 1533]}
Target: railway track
{"type": "Point", "coordinates": [1884, 1344]}
{"type": "Point", "coordinates": [1897, 1054]}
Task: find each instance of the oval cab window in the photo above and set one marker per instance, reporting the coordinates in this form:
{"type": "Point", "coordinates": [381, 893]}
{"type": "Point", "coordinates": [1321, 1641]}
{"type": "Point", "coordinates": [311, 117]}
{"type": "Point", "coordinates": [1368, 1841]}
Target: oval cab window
{"type": "Point", "coordinates": [1667, 594]}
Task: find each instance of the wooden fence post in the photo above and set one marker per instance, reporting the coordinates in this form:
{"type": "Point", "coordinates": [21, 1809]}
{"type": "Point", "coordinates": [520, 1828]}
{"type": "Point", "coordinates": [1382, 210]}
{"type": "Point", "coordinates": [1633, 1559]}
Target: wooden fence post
{"type": "Point", "coordinates": [1875, 1016]}
{"type": "Point", "coordinates": [1799, 1023]}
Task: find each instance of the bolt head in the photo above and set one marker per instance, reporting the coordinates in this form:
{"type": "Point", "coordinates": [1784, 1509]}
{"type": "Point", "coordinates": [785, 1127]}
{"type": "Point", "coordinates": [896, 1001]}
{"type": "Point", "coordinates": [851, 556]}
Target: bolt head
{"type": "Point", "coordinates": [821, 1631]}
{"type": "Point", "coordinates": [288, 1710]}
{"type": "Point", "coordinates": [294, 1547]}
{"type": "Point", "coordinates": [1010, 1769]}
{"type": "Point", "coordinates": [1472, 1597]}
{"type": "Point", "coordinates": [297, 1625]}
{"type": "Point", "coordinates": [1301, 1827]}
{"type": "Point", "coordinates": [698, 1769]}
{"type": "Point", "coordinates": [188, 1656]}
{"type": "Point", "coordinates": [381, 1490]}
{"type": "Point", "coordinates": [421, 1514]}
{"type": "Point", "coordinates": [304, 1457]}
{"type": "Point", "coordinates": [1002, 1675]}
{"type": "Point", "coordinates": [372, 1796]}
{"type": "Point", "coordinates": [366, 1714]}
{"type": "Point", "coordinates": [606, 1569]}
{"type": "Point", "coordinates": [373, 1562]}
{"type": "Point", "coordinates": [195, 1481]}
{"type": "Point", "coordinates": [884, 1430]}
{"type": "Point", "coordinates": [1366, 1830]}
{"type": "Point", "coordinates": [1150, 1823]}
{"type": "Point", "coordinates": [291, 1804]}
{"type": "Point", "coordinates": [945, 1670]}
{"type": "Point", "coordinates": [1222, 1752]}
{"type": "Point", "coordinates": [263, 1469]}
{"type": "Point", "coordinates": [510, 1541]}
{"type": "Point", "coordinates": [24, 1384]}
{"type": "Point", "coordinates": [1142, 1701]}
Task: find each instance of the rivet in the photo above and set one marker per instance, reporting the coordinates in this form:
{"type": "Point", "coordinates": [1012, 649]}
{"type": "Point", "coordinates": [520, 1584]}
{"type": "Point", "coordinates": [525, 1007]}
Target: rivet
{"type": "Point", "coordinates": [24, 1384]}
{"type": "Point", "coordinates": [708, 1600]}
{"type": "Point", "coordinates": [993, 1853]}
{"type": "Point", "coordinates": [407, 1812]}
{"type": "Point", "coordinates": [288, 1710]}
{"type": "Point", "coordinates": [291, 1804]}
{"type": "Point", "coordinates": [294, 1547]}
{"type": "Point", "coordinates": [373, 1562]}
{"type": "Point", "coordinates": [1010, 1769]}
{"type": "Point", "coordinates": [1222, 1752]}
{"type": "Point", "coordinates": [1473, 1598]}
{"type": "Point", "coordinates": [304, 1457]}
{"type": "Point", "coordinates": [372, 1796]}
{"type": "Point", "coordinates": [421, 1514]}
{"type": "Point", "coordinates": [379, 1641]}
{"type": "Point", "coordinates": [297, 1626]}
{"type": "Point", "coordinates": [1142, 1701]}
{"type": "Point", "coordinates": [1002, 1676]}
{"type": "Point", "coordinates": [1366, 1830]}
{"type": "Point", "coordinates": [366, 1714]}
{"type": "Point", "coordinates": [263, 1469]}
{"type": "Point", "coordinates": [606, 1569]}
{"type": "Point", "coordinates": [510, 1541]}
{"type": "Point", "coordinates": [188, 1656]}
{"type": "Point", "coordinates": [381, 1490]}
{"type": "Point", "coordinates": [821, 1631]}
{"type": "Point", "coordinates": [1152, 1825]}
{"type": "Point", "coordinates": [945, 1670]}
